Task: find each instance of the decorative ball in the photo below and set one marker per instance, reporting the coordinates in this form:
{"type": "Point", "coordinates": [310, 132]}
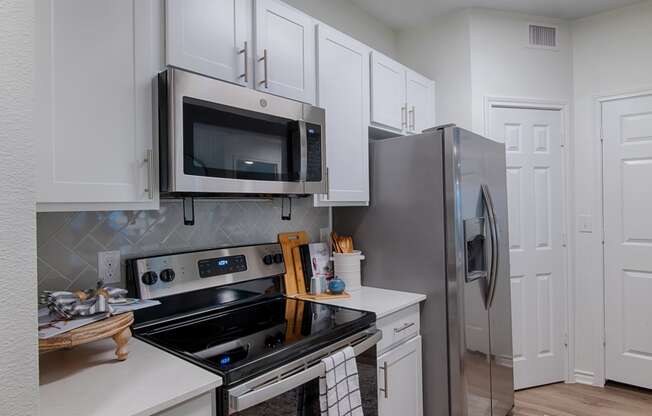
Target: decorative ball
{"type": "Point", "coordinates": [336, 286]}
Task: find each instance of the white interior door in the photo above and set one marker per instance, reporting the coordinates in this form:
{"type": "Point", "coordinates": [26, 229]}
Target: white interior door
{"type": "Point", "coordinates": [532, 140]}
{"type": "Point", "coordinates": [627, 130]}
{"type": "Point", "coordinates": [285, 49]}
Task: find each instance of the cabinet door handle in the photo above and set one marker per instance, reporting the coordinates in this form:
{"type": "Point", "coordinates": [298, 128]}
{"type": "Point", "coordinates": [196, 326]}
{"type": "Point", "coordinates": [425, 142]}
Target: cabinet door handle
{"type": "Point", "coordinates": [413, 122]}
{"type": "Point", "coordinates": [245, 51]}
{"type": "Point", "coordinates": [403, 327]}
{"type": "Point", "coordinates": [264, 60]}
{"type": "Point", "coordinates": [149, 160]}
{"type": "Point", "coordinates": [404, 122]}
{"type": "Point", "coordinates": [385, 369]}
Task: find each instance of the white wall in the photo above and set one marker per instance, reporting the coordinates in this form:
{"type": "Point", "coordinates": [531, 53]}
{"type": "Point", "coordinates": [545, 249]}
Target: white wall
{"type": "Point", "coordinates": [502, 65]}
{"type": "Point", "coordinates": [352, 20]}
{"type": "Point", "coordinates": [441, 51]}
{"type": "Point", "coordinates": [18, 350]}
{"type": "Point", "coordinates": [612, 54]}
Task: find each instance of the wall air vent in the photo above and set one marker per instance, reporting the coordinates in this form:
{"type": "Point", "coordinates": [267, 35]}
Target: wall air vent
{"type": "Point", "coordinates": [543, 36]}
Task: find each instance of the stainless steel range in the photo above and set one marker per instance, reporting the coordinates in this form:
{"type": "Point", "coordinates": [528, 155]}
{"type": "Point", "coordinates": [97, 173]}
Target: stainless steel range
{"type": "Point", "coordinates": [223, 310]}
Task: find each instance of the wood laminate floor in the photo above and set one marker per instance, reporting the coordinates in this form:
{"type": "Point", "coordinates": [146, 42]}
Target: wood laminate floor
{"type": "Point", "coordinates": [581, 400]}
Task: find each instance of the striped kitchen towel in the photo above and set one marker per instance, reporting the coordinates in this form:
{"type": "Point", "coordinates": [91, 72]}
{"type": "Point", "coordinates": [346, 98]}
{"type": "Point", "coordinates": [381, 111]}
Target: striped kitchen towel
{"type": "Point", "coordinates": [339, 388]}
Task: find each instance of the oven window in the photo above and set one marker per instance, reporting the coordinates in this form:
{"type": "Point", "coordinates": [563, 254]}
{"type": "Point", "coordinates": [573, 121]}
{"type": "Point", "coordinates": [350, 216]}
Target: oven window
{"type": "Point", "coordinates": [225, 142]}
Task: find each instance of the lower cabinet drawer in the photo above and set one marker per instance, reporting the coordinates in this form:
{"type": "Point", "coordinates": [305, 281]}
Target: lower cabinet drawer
{"type": "Point", "coordinates": [398, 327]}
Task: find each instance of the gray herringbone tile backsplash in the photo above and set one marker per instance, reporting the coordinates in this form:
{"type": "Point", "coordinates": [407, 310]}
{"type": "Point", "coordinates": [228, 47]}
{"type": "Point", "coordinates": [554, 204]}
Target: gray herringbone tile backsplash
{"type": "Point", "coordinates": [68, 242]}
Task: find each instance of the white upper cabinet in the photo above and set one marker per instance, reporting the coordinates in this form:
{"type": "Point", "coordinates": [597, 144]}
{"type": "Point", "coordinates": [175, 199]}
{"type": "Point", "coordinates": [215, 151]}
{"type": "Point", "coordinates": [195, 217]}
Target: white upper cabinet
{"type": "Point", "coordinates": [401, 100]}
{"type": "Point", "coordinates": [285, 51]}
{"type": "Point", "coordinates": [420, 100]}
{"type": "Point", "coordinates": [211, 37]}
{"type": "Point", "coordinates": [343, 90]}
{"type": "Point", "coordinates": [388, 108]}
{"type": "Point", "coordinates": [95, 61]}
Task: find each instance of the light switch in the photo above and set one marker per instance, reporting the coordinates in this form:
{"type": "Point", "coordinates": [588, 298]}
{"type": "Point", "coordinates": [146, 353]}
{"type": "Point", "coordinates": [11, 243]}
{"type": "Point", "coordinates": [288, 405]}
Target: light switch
{"type": "Point", "coordinates": [585, 223]}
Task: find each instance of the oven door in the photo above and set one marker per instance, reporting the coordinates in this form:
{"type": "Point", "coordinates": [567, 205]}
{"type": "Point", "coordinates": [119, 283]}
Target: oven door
{"type": "Point", "coordinates": [225, 138]}
{"type": "Point", "coordinates": [293, 389]}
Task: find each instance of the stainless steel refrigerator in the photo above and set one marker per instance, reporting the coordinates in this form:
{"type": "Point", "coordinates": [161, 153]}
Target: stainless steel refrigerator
{"type": "Point", "coordinates": [437, 224]}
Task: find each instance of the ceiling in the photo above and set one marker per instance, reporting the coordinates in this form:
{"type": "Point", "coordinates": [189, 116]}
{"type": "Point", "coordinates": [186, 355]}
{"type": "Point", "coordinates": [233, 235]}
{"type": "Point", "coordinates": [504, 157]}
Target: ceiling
{"type": "Point", "coordinates": [406, 13]}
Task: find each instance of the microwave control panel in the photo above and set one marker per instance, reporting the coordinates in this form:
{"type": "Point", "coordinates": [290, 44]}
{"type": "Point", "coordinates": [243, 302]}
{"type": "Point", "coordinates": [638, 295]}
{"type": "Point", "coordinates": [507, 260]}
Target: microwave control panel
{"type": "Point", "coordinates": [315, 150]}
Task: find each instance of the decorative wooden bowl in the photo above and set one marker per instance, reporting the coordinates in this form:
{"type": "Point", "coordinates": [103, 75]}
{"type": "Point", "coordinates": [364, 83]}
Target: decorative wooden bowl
{"type": "Point", "coordinates": [116, 327]}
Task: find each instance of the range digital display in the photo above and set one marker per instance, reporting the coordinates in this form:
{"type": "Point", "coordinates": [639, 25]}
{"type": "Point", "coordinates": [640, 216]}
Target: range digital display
{"type": "Point", "coordinates": [222, 265]}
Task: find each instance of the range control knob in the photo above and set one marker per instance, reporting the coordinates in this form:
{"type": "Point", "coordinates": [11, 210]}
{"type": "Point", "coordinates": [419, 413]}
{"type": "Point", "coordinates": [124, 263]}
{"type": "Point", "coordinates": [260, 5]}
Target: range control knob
{"type": "Point", "coordinates": [149, 278]}
{"type": "Point", "coordinates": [278, 258]}
{"type": "Point", "coordinates": [268, 259]}
{"type": "Point", "coordinates": [167, 275]}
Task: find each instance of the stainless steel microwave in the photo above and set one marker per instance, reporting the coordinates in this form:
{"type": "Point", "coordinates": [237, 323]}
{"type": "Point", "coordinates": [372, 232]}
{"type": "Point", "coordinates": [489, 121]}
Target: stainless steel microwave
{"type": "Point", "coordinates": [221, 138]}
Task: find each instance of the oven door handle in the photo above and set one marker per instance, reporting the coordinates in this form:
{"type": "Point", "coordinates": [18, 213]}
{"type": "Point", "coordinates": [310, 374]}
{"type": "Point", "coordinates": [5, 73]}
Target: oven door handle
{"type": "Point", "coordinates": [303, 151]}
{"type": "Point", "coordinates": [250, 394]}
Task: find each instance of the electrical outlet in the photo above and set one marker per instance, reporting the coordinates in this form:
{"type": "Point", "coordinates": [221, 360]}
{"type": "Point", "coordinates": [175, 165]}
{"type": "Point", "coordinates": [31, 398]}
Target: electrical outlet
{"type": "Point", "coordinates": [108, 266]}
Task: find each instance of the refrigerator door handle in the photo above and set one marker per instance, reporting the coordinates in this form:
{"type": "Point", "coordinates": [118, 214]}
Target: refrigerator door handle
{"type": "Point", "coordinates": [495, 251]}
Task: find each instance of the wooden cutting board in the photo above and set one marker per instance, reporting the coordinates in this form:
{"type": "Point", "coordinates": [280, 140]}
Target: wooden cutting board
{"type": "Point", "coordinates": [293, 281]}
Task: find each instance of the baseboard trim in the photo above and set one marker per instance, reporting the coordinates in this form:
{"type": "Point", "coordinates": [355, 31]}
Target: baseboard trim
{"type": "Point", "coordinates": [584, 377]}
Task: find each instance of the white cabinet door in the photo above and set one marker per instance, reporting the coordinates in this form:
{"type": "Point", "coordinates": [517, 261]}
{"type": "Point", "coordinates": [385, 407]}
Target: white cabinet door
{"type": "Point", "coordinates": [399, 380]}
{"type": "Point", "coordinates": [388, 108]}
{"type": "Point", "coordinates": [343, 90]}
{"type": "Point", "coordinates": [285, 51]}
{"type": "Point", "coordinates": [627, 150]}
{"type": "Point", "coordinates": [95, 61]}
{"type": "Point", "coordinates": [420, 102]}
{"type": "Point", "coordinates": [209, 37]}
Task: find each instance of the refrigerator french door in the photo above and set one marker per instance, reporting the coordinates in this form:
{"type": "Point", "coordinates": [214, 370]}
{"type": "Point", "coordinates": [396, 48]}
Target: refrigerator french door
{"type": "Point", "coordinates": [477, 272]}
{"type": "Point", "coordinates": [437, 224]}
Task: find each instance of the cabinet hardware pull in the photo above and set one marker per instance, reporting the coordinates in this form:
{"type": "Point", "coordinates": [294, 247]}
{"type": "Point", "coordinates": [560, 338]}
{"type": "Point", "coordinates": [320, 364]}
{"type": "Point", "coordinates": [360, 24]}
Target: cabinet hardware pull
{"type": "Point", "coordinates": [264, 59]}
{"type": "Point", "coordinates": [413, 122]}
{"type": "Point", "coordinates": [404, 327]}
{"type": "Point", "coordinates": [245, 51]}
{"type": "Point", "coordinates": [404, 122]}
{"type": "Point", "coordinates": [149, 160]}
{"type": "Point", "coordinates": [385, 390]}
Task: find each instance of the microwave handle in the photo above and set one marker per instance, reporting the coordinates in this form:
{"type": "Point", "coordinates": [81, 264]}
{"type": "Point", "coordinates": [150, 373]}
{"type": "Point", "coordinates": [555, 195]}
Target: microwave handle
{"type": "Point", "coordinates": [303, 151]}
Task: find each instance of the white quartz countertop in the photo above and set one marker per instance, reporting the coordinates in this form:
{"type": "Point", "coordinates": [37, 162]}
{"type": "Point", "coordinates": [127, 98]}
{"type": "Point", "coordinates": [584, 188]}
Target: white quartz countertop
{"type": "Point", "coordinates": [89, 381]}
{"type": "Point", "coordinates": [382, 302]}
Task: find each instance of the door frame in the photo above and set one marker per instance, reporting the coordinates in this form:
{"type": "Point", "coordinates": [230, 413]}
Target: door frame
{"type": "Point", "coordinates": [567, 173]}
{"type": "Point", "coordinates": [600, 374]}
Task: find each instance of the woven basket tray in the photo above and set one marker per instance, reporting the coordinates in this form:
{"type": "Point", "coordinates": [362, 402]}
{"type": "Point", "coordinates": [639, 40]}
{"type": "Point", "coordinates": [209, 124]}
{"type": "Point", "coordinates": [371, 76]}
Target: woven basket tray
{"type": "Point", "coordinates": [116, 327]}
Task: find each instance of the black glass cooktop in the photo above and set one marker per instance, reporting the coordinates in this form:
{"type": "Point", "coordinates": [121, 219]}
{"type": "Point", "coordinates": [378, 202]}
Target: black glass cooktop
{"type": "Point", "coordinates": [244, 341]}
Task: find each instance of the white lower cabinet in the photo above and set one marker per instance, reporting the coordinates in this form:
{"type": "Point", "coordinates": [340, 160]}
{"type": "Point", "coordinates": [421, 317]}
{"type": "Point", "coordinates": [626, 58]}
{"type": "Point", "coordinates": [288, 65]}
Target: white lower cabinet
{"type": "Point", "coordinates": [400, 389]}
{"type": "Point", "coordinates": [203, 405]}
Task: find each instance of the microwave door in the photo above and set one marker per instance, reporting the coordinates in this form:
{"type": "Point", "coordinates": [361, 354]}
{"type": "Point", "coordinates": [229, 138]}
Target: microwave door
{"type": "Point", "coordinates": [226, 141]}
